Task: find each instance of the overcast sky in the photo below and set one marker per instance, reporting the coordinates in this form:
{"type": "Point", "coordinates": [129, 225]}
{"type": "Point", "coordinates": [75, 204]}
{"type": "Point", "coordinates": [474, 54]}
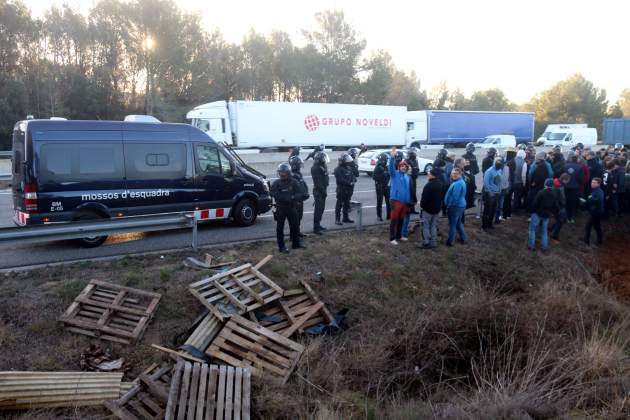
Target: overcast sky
{"type": "Point", "coordinates": [519, 46]}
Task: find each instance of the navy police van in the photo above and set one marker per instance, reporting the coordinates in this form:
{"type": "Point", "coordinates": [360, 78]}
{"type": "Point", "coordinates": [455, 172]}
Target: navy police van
{"type": "Point", "coordinates": [65, 171]}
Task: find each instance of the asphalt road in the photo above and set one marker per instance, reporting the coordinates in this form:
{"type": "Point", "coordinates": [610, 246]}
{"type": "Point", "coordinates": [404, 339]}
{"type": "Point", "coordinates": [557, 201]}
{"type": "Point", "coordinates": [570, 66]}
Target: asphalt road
{"type": "Point", "coordinates": [209, 234]}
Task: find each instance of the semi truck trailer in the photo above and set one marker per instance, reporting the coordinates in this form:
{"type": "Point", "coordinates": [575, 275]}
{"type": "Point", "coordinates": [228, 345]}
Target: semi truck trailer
{"type": "Point", "coordinates": [617, 130]}
{"type": "Point", "coordinates": [259, 124]}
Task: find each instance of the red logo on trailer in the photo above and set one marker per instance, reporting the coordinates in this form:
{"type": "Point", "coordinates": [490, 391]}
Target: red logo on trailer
{"type": "Point", "coordinates": [311, 122]}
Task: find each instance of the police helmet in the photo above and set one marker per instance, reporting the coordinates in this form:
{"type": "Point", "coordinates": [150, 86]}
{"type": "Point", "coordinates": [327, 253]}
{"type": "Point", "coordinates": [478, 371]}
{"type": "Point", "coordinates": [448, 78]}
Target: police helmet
{"type": "Point", "coordinates": [557, 149]}
{"type": "Point", "coordinates": [579, 146]}
{"type": "Point", "coordinates": [618, 146]}
{"type": "Point", "coordinates": [284, 170]}
{"type": "Point", "coordinates": [470, 147]}
{"type": "Point", "coordinates": [522, 146]}
{"type": "Point", "coordinates": [442, 154]}
{"type": "Point", "coordinates": [492, 152]}
{"type": "Point", "coordinates": [345, 158]}
{"type": "Point", "coordinates": [296, 163]}
{"type": "Point", "coordinates": [412, 152]}
{"type": "Point", "coordinates": [353, 152]}
{"type": "Point", "coordinates": [383, 158]}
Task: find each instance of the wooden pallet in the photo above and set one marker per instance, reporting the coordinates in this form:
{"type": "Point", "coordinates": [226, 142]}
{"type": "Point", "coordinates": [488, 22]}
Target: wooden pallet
{"type": "Point", "coordinates": [25, 390]}
{"type": "Point", "coordinates": [147, 398]}
{"type": "Point", "coordinates": [236, 291]}
{"type": "Point", "coordinates": [111, 312]}
{"type": "Point", "coordinates": [244, 343]}
{"type": "Point", "coordinates": [200, 391]}
{"type": "Point", "coordinates": [205, 332]}
{"type": "Point", "coordinates": [298, 309]}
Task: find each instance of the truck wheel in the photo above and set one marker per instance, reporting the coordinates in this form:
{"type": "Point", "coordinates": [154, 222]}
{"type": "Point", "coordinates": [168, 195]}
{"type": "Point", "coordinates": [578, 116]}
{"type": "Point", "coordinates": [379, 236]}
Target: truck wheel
{"type": "Point", "coordinates": [90, 241]}
{"type": "Point", "coordinates": [428, 168]}
{"type": "Point", "coordinates": [245, 212]}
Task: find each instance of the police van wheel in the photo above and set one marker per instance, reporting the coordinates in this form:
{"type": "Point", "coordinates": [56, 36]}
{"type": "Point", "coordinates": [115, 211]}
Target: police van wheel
{"type": "Point", "coordinates": [90, 241]}
{"type": "Point", "coordinates": [245, 212]}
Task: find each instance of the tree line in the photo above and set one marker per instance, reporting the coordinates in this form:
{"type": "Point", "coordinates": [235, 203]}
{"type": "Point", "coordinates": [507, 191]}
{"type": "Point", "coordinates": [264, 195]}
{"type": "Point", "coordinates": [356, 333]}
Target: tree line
{"type": "Point", "coordinates": [148, 56]}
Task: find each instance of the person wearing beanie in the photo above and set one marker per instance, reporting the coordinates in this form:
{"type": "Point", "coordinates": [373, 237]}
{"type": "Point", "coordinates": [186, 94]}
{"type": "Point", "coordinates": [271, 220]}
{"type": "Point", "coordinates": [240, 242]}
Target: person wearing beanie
{"type": "Point", "coordinates": [519, 179]}
{"type": "Point", "coordinates": [543, 206]}
{"type": "Point", "coordinates": [492, 180]}
{"type": "Point", "coordinates": [431, 204]}
{"type": "Point", "coordinates": [538, 172]}
{"type": "Point", "coordinates": [559, 217]}
{"type": "Point", "coordinates": [572, 188]}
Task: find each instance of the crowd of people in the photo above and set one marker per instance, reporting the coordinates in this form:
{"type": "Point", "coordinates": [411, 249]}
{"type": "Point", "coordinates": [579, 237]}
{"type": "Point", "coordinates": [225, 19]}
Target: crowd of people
{"type": "Point", "coordinates": [549, 187]}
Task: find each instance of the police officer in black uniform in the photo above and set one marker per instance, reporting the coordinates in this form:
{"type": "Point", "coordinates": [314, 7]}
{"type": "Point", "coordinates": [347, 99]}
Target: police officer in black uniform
{"type": "Point", "coordinates": [381, 184]}
{"type": "Point", "coordinates": [471, 158]}
{"type": "Point", "coordinates": [354, 154]}
{"type": "Point", "coordinates": [345, 178]}
{"type": "Point", "coordinates": [316, 150]}
{"type": "Point", "coordinates": [319, 172]}
{"type": "Point", "coordinates": [412, 160]}
{"type": "Point", "coordinates": [296, 172]}
{"type": "Point", "coordinates": [286, 192]}
{"type": "Point", "coordinates": [441, 157]}
{"type": "Point", "coordinates": [295, 151]}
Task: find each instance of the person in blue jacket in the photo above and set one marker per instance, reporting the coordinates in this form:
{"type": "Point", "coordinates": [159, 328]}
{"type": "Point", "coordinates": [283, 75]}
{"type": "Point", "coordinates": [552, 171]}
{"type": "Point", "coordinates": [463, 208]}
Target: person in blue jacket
{"type": "Point", "coordinates": [399, 194]}
{"type": "Point", "coordinates": [492, 180]}
{"type": "Point", "coordinates": [455, 201]}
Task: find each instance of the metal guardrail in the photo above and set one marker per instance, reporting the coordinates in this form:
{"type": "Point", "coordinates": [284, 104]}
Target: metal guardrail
{"type": "Point", "coordinates": [7, 154]}
{"type": "Point", "coordinates": [78, 230]}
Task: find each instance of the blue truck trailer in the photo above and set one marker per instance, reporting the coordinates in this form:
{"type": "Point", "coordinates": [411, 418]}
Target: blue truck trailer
{"type": "Point", "coordinates": [617, 130]}
{"type": "Point", "coordinates": [461, 127]}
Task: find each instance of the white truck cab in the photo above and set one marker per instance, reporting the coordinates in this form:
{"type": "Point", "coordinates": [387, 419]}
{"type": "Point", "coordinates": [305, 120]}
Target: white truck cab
{"type": "Point", "coordinates": [213, 118]}
{"type": "Point", "coordinates": [498, 141]}
{"type": "Point", "coordinates": [416, 128]}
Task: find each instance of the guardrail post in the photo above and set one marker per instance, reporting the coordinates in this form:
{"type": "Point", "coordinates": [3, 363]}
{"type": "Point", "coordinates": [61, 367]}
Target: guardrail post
{"type": "Point", "coordinates": [192, 220]}
{"type": "Point", "coordinates": [356, 205]}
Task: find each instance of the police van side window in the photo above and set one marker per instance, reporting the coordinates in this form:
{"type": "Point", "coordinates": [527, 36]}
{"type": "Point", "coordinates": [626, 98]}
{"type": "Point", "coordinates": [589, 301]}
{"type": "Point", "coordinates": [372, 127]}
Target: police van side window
{"type": "Point", "coordinates": [226, 167]}
{"type": "Point", "coordinates": [151, 161]}
{"type": "Point", "coordinates": [208, 160]}
{"type": "Point", "coordinates": [65, 162]}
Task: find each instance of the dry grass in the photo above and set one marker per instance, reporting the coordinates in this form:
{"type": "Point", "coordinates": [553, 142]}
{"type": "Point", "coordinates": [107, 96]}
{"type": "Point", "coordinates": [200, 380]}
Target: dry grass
{"type": "Point", "coordinates": [486, 331]}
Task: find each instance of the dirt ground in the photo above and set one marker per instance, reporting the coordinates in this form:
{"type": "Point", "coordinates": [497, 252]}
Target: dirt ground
{"type": "Point", "coordinates": [483, 330]}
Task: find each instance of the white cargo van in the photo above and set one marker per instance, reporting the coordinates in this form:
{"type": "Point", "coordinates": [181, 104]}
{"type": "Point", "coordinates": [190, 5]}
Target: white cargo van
{"type": "Point", "coordinates": [557, 128]}
{"type": "Point", "coordinates": [498, 141]}
{"type": "Point", "coordinates": [571, 137]}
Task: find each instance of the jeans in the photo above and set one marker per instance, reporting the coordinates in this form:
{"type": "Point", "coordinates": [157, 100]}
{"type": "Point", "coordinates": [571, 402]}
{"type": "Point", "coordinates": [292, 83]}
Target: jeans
{"type": "Point", "coordinates": [405, 226]}
{"type": "Point", "coordinates": [499, 212]}
{"type": "Point", "coordinates": [533, 226]}
{"type": "Point", "coordinates": [490, 201]}
{"type": "Point", "coordinates": [455, 223]}
{"type": "Point", "coordinates": [429, 228]}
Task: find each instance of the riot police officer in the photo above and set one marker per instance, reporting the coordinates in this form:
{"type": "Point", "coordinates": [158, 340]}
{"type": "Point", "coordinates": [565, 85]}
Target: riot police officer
{"type": "Point", "coordinates": [295, 151]}
{"type": "Point", "coordinates": [412, 161]}
{"type": "Point", "coordinates": [319, 172]}
{"type": "Point", "coordinates": [471, 158]}
{"type": "Point", "coordinates": [296, 164]}
{"type": "Point", "coordinates": [381, 184]}
{"type": "Point", "coordinates": [441, 157]}
{"type": "Point", "coordinates": [345, 178]}
{"type": "Point", "coordinates": [316, 150]}
{"type": "Point", "coordinates": [286, 192]}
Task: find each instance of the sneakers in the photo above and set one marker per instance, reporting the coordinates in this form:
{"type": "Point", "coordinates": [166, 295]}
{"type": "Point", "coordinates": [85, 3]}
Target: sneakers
{"type": "Point", "coordinates": [394, 242]}
{"type": "Point", "coordinates": [531, 249]}
{"type": "Point", "coordinates": [501, 218]}
{"type": "Point", "coordinates": [404, 238]}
